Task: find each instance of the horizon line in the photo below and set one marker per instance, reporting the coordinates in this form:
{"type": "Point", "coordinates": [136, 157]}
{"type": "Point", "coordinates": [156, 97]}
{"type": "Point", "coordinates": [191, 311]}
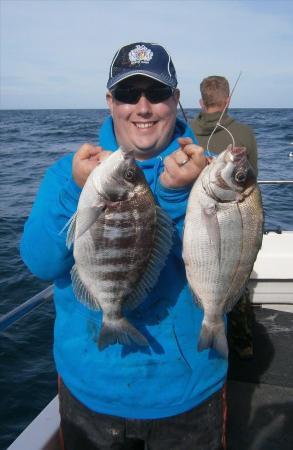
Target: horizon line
{"type": "Point", "coordinates": [107, 109]}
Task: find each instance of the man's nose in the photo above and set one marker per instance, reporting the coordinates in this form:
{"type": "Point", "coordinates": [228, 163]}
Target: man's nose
{"type": "Point", "coordinates": [143, 105]}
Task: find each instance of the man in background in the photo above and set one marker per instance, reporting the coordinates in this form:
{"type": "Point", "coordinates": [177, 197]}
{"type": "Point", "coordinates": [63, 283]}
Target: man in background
{"type": "Point", "coordinates": [215, 98]}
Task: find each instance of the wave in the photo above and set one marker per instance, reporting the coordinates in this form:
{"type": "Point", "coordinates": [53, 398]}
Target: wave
{"type": "Point", "coordinates": [31, 142]}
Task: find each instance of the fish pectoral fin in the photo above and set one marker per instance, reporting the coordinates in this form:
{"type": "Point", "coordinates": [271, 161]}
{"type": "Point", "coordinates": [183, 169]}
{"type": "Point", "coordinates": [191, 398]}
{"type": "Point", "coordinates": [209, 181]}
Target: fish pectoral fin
{"type": "Point", "coordinates": [81, 292]}
{"type": "Point", "coordinates": [71, 230]}
{"type": "Point", "coordinates": [210, 219]}
{"type": "Point", "coordinates": [163, 241]}
{"type": "Point", "coordinates": [70, 224]}
{"type": "Point", "coordinates": [86, 217]}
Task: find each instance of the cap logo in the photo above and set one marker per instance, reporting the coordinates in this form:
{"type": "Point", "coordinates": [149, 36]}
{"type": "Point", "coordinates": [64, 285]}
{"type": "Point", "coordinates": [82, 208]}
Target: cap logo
{"type": "Point", "coordinates": [140, 54]}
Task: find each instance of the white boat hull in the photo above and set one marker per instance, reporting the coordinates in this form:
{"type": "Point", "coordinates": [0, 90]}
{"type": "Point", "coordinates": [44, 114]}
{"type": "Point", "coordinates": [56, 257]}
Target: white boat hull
{"type": "Point", "coordinates": [43, 432]}
{"type": "Point", "coordinates": [271, 281]}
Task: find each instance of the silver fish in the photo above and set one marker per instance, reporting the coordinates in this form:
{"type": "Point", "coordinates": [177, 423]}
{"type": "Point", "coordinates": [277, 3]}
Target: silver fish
{"type": "Point", "coordinates": [222, 236]}
{"type": "Point", "coordinates": [121, 241]}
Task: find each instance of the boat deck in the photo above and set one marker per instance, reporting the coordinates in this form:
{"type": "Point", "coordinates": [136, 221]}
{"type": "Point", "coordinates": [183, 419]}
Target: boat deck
{"type": "Point", "coordinates": [260, 394]}
{"type": "Point", "coordinates": [260, 390]}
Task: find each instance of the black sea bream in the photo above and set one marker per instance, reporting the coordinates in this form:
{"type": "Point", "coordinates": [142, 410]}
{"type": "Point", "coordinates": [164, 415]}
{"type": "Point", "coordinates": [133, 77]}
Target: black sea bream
{"type": "Point", "coordinates": [121, 241]}
{"type": "Point", "coordinates": [222, 236]}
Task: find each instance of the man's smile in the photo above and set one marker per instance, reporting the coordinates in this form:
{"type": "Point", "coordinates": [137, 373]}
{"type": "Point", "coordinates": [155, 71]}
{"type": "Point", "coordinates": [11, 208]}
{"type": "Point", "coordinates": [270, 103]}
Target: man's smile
{"type": "Point", "coordinates": [143, 125]}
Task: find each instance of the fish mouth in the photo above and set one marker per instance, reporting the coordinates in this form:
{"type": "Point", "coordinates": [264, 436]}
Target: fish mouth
{"type": "Point", "coordinates": [238, 154]}
{"type": "Point", "coordinates": [127, 154]}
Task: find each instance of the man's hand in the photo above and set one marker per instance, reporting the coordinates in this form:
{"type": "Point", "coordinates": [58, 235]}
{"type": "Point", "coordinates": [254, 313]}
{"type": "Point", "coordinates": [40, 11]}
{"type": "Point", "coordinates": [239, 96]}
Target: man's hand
{"type": "Point", "coordinates": [87, 157]}
{"type": "Point", "coordinates": [184, 165]}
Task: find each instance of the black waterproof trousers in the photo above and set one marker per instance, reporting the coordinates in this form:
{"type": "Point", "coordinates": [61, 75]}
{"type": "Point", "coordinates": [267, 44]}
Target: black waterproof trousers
{"type": "Point", "coordinates": [198, 429]}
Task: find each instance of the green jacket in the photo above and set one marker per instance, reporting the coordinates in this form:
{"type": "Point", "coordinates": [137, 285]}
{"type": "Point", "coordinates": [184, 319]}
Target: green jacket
{"type": "Point", "coordinates": [204, 124]}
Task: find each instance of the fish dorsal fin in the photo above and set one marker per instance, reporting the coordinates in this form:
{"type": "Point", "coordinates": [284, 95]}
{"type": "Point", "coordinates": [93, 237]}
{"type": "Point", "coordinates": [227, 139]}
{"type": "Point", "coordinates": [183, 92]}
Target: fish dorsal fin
{"type": "Point", "coordinates": [162, 245]}
{"type": "Point", "coordinates": [81, 292]}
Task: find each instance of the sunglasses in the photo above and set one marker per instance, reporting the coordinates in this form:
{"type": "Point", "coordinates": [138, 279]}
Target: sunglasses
{"type": "Point", "coordinates": [132, 95]}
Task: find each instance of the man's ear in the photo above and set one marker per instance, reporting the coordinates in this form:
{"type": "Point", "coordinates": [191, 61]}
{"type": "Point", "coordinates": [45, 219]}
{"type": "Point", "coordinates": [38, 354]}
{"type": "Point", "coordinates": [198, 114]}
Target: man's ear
{"type": "Point", "coordinates": [201, 104]}
{"type": "Point", "coordinates": [109, 98]}
{"type": "Point", "coordinates": [176, 95]}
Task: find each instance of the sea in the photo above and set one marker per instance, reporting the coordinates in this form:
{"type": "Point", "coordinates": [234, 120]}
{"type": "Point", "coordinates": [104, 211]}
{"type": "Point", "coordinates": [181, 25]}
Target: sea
{"type": "Point", "coordinates": [32, 140]}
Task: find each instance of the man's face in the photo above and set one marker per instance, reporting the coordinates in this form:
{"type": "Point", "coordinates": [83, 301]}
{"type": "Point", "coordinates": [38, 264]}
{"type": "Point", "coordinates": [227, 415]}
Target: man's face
{"type": "Point", "coordinates": [144, 127]}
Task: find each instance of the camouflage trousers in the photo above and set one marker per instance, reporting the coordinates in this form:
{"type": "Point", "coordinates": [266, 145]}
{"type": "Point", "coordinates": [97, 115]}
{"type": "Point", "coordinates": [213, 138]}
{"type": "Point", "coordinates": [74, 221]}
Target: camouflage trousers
{"type": "Point", "coordinates": [240, 321]}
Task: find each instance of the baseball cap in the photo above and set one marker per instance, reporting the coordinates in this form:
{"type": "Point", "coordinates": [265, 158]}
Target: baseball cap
{"type": "Point", "coordinates": [142, 58]}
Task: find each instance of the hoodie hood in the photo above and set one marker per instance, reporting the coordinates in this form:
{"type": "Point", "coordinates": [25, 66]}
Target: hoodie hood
{"type": "Point", "coordinates": [205, 123]}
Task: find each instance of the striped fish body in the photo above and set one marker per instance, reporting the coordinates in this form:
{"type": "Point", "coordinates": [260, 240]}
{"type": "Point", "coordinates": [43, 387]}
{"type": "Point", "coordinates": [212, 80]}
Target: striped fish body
{"type": "Point", "coordinates": [222, 236]}
{"type": "Point", "coordinates": [119, 248]}
{"type": "Point", "coordinates": [112, 255]}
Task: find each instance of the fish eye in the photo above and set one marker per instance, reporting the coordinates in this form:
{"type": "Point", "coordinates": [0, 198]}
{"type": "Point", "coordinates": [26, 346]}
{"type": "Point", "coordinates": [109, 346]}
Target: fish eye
{"type": "Point", "coordinates": [240, 175]}
{"type": "Point", "coordinates": [129, 174]}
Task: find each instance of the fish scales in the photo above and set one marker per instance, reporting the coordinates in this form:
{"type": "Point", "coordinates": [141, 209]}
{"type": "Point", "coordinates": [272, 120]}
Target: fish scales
{"type": "Point", "coordinates": [222, 236]}
{"type": "Point", "coordinates": [203, 257]}
{"type": "Point", "coordinates": [130, 239]}
{"type": "Point", "coordinates": [133, 236]}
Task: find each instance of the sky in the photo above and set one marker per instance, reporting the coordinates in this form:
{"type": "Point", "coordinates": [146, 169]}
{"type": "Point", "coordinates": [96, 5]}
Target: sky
{"type": "Point", "coordinates": [57, 53]}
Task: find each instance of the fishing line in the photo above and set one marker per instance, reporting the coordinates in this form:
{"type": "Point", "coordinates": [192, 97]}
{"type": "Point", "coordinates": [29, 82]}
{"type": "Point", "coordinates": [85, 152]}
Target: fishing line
{"type": "Point", "coordinates": [183, 113]}
{"type": "Point", "coordinates": [226, 129]}
{"type": "Point", "coordinates": [218, 124]}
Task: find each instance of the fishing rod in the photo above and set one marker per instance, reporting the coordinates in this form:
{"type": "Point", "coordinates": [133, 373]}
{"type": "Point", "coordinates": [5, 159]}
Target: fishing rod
{"type": "Point", "coordinates": [20, 311]}
{"type": "Point", "coordinates": [218, 124]}
{"type": "Point", "coordinates": [183, 113]}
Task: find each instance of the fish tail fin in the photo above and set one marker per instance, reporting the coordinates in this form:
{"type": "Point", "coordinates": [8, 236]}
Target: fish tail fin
{"type": "Point", "coordinates": [213, 336]}
{"type": "Point", "coordinates": [120, 331]}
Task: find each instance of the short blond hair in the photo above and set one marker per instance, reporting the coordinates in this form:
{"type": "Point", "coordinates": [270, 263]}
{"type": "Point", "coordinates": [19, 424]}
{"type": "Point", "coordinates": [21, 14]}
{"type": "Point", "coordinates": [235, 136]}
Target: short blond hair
{"type": "Point", "coordinates": [214, 90]}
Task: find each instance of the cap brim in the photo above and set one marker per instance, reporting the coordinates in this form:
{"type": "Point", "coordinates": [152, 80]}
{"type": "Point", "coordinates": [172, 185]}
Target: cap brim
{"type": "Point", "coordinates": [115, 80]}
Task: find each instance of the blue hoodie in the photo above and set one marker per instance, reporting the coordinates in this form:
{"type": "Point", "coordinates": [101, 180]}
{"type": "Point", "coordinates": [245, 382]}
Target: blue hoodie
{"type": "Point", "coordinates": [168, 377]}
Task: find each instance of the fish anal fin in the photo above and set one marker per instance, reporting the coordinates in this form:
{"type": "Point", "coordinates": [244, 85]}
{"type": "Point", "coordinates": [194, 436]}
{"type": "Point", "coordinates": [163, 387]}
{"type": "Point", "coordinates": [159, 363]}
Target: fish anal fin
{"type": "Point", "coordinates": [231, 301]}
{"type": "Point", "coordinates": [81, 292]}
{"type": "Point", "coordinates": [196, 297]}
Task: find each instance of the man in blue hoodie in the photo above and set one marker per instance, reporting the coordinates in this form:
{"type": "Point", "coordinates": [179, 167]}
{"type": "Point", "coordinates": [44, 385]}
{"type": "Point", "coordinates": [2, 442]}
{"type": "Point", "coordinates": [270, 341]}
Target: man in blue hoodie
{"type": "Point", "coordinates": [168, 395]}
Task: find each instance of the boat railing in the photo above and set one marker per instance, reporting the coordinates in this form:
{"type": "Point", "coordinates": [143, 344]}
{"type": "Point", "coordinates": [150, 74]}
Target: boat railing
{"type": "Point", "coordinates": [22, 310]}
{"type": "Point", "coordinates": [275, 181]}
